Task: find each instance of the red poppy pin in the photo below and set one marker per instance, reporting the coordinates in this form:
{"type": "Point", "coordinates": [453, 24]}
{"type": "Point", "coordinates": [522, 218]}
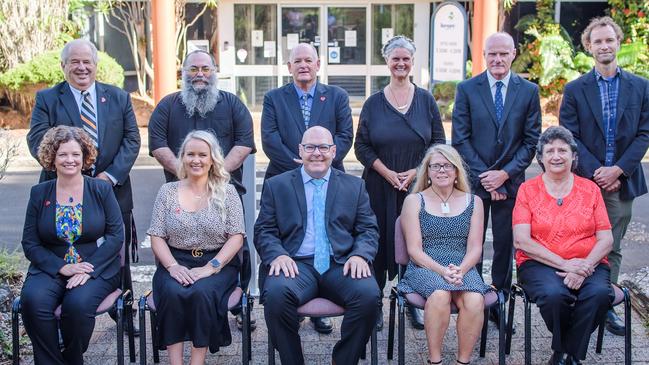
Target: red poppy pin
{"type": "Point", "coordinates": [323, 98]}
{"type": "Point", "coordinates": [47, 203]}
{"type": "Point", "coordinates": [177, 210]}
{"type": "Point", "coordinates": [103, 99]}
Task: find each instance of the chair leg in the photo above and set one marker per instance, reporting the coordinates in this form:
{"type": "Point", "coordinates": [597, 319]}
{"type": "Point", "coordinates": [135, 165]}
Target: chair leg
{"type": "Point", "coordinates": [627, 326]}
{"type": "Point", "coordinates": [155, 345]}
{"type": "Point", "coordinates": [249, 307]}
{"type": "Point", "coordinates": [501, 327]}
{"type": "Point", "coordinates": [401, 346]}
{"type": "Point", "coordinates": [141, 313]}
{"type": "Point", "coordinates": [600, 336]}
{"type": "Point", "coordinates": [271, 352]}
{"type": "Point", "coordinates": [528, 332]}
{"type": "Point", "coordinates": [15, 340]}
{"type": "Point", "coordinates": [120, 330]}
{"type": "Point", "coordinates": [483, 334]}
{"type": "Point", "coordinates": [510, 320]}
{"type": "Point", "coordinates": [245, 327]}
{"type": "Point", "coordinates": [373, 346]}
{"type": "Point", "coordinates": [130, 328]}
{"type": "Point", "coordinates": [391, 326]}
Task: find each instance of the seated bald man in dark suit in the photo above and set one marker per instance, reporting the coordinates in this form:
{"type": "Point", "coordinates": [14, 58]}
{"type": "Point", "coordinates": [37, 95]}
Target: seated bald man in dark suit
{"type": "Point", "coordinates": [317, 236]}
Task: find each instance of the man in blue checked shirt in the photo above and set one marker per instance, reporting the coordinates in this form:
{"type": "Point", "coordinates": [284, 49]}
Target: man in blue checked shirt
{"type": "Point", "coordinates": [607, 110]}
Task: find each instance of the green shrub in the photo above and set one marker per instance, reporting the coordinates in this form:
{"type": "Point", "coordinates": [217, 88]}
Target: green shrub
{"type": "Point", "coordinates": [46, 69]}
{"type": "Point", "coordinates": [444, 90]}
{"type": "Point", "coordinates": [12, 264]}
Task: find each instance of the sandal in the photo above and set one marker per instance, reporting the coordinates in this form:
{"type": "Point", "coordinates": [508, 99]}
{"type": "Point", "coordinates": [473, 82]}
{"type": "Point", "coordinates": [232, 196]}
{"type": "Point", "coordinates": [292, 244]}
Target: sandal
{"type": "Point", "coordinates": [433, 362]}
{"type": "Point", "coordinates": [462, 362]}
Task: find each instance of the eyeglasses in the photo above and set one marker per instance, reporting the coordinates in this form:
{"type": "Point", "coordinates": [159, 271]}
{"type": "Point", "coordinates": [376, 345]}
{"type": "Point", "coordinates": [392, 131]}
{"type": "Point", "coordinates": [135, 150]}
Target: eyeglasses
{"type": "Point", "coordinates": [310, 148]}
{"type": "Point", "coordinates": [205, 70]}
{"type": "Point", "coordinates": [436, 167]}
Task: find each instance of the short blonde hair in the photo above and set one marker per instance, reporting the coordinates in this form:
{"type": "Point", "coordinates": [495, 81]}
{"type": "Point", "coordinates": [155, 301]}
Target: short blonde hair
{"type": "Point", "coordinates": [600, 22]}
{"type": "Point", "coordinates": [422, 181]}
{"type": "Point", "coordinates": [63, 134]}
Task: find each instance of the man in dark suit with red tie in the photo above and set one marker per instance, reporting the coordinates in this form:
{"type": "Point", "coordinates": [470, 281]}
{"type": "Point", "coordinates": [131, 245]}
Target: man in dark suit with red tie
{"type": "Point", "coordinates": [496, 125]}
{"type": "Point", "coordinates": [607, 111]}
{"type": "Point", "coordinates": [103, 111]}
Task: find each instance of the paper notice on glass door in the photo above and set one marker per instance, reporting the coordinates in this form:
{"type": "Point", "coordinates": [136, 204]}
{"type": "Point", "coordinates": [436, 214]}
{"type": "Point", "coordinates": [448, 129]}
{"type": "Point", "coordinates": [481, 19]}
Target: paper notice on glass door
{"type": "Point", "coordinates": [292, 40]}
{"type": "Point", "coordinates": [350, 38]}
{"type": "Point", "coordinates": [257, 38]}
{"type": "Point", "coordinates": [269, 49]}
{"type": "Point", "coordinates": [386, 35]}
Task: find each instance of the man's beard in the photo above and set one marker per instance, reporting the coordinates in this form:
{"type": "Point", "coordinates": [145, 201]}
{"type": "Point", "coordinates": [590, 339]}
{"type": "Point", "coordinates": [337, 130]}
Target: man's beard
{"type": "Point", "coordinates": [201, 100]}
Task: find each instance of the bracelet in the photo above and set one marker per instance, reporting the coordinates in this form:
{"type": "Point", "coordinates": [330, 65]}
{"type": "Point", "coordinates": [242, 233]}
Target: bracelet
{"type": "Point", "coordinates": [172, 265]}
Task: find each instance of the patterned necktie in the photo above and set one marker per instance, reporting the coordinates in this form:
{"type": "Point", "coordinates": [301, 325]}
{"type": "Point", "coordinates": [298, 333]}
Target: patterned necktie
{"type": "Point", "coordinates": [306, 109]}
{"type": "Point", "coordinates": [89, 118]}
{"type": "Point", "coordinates": [498, 101]}
{"type": "Point", "coordinates": [321, 254]}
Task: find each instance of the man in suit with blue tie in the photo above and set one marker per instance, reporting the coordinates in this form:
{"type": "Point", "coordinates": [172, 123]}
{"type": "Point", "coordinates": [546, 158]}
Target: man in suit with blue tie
{"type": "Point", "coordinates": [496, 125]}
{"type": "Point", "coordinates": [104, 112]}
{"type": "Point", "coordinates": [607, 111]}
{"type": "Point", "coordinates": [317, 236]}
{"type": "Point", "coordinates": [293, 108]}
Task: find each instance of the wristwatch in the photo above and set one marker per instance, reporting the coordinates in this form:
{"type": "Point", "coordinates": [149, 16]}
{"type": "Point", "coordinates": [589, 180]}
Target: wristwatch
{"type": "Point", "coordinates": [216, 264]}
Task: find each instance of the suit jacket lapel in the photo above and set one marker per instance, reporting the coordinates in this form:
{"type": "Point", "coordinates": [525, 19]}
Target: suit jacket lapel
{"type": "Point", "coordinates": [103, 103]}
{"type": "Point", "coordinates": [332, 190]}
{"type": "Point", "coordinates": [298, 187]}
{"type": "Point", "coordinates": [512, 95]}
{"type": "Point", "coordinates": [71, 107]}
{"type": "Point", "coordinates": [319, 98]}
{"type": "Point", "coordinates": [591, 93]}
{"type": "Point", "coordinates": [625, 90]}
{"type": "Point", "coordinates": [487, 99]}
{"type": "Point", "coordinates": [293, 104]}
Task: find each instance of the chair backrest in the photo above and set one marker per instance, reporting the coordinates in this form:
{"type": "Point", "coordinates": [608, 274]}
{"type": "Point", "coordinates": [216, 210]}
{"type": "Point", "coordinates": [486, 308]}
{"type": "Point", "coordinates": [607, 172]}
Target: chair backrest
{"type": "Point", "coordinates": [400, 250]}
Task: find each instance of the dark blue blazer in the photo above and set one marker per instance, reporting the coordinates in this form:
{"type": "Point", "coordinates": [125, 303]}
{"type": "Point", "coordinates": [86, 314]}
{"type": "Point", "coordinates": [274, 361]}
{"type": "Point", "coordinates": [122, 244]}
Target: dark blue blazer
{"type": "Point", "coordinates": [281, 224]}
{"type": "Point", "coordinates": [581, 113]}
{"type": "Point", "coordinates": [486, 144]}
{"type": "Point", "coordinates": [101, 218]}
{"type": "Point", "coordinates": [119, 137]}
{"type": "Point", "coordinates": [282, 124]}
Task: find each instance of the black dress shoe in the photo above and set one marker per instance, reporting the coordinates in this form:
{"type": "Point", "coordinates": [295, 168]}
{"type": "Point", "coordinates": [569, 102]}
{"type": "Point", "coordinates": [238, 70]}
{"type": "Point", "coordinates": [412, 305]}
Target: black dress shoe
{"type": "Point", "coordinates": [416, 317]}
{"type": "Point", "coordinates": [557, 358]}
{"type": "Point", "coordinates": [322, 324]}
{"type": "Point", "coordinates": [570, 360]}
{"type": "Point", "coordinates": [614, 323]}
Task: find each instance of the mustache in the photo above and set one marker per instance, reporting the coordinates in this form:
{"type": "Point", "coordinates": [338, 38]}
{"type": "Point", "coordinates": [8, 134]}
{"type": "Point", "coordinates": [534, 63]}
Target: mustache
{"type": "Point", "coordinates": [201, 100]}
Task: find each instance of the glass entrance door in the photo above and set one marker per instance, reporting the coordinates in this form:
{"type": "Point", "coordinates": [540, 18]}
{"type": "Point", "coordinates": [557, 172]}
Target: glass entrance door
{"type": "Point", "coordinates": [299, 25]}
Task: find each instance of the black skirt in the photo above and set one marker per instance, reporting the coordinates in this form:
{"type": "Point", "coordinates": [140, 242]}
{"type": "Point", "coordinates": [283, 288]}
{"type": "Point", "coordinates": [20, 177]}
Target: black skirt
{"type": "Point", "coordinates": [198, 312]}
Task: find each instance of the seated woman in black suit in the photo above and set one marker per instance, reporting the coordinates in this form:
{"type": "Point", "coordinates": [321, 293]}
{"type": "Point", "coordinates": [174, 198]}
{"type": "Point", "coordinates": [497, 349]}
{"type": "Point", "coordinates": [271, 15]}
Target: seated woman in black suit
{"type": "Point", "coordinates": [196, 230]}
{"type": "Point", "coordinates": [72, 237]}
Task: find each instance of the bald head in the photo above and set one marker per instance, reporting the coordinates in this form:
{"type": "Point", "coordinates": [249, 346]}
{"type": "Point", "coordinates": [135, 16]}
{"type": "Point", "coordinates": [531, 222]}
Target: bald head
{"type": "Point", "coordinates": [500, 38]}
{"type": "Point", "coordinates": [317, 133]}
{"type": "Point", "coordinates": [499, 53]}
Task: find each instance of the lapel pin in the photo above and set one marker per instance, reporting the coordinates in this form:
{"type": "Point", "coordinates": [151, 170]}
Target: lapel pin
{"type": "Point", "coordinates": [47, 203]}
{"type": "Point", "coordinates": [103, 99]}
{"type": "Point", "coordinates": [323, 98]}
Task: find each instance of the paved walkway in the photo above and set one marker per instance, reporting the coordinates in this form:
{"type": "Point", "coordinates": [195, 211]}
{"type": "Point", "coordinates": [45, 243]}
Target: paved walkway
{"type": "Point", "coordinates": [317, 348]}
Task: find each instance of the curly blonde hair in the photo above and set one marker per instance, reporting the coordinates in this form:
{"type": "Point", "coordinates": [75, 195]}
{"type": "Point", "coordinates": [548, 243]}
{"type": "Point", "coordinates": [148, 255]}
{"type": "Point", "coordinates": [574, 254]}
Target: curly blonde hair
{"type": "Point", "coordinates": [422, 181]}
{"type": "Point", "coordinates": [217, 178]}
{"type": "Point", "coordinates": [62, 134]}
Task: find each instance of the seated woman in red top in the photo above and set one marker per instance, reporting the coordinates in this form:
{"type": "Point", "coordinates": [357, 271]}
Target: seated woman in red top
{"type": "Point", "coordinates": [562, 236]}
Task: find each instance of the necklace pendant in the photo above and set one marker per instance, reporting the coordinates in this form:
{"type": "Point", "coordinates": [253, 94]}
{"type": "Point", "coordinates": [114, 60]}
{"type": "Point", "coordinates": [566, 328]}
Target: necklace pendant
{"type": "Point", "coordinates": [70, 199]}
{"type": "Point", "coordinates": [445, 208]}
{"type": "Point", "coordinates": [560, 201]}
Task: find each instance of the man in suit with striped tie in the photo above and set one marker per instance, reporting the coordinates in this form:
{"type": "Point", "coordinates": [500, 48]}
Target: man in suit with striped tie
{"type": "Point", "coordinates": [104, 112]}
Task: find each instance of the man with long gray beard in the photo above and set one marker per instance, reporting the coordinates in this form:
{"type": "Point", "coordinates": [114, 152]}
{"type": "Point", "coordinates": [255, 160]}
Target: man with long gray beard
{"type": "Point", "coordinates": [201, 105]}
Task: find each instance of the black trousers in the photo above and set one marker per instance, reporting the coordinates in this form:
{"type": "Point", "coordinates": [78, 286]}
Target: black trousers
{"type": "Point", "coordinates": [130, 249]}
{"type": "Point", "coordinates": [282, 296]}
{"type": "Point", "coordinates": [40, 296]}
{"type": "Point", "coordinates": [571, 315]}
{"type": "Point", "coordinates": [501, 228]}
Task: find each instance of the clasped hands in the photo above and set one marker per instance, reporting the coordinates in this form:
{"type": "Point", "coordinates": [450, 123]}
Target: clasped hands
{"type": "Point", "coordinates": [607, 177]}
{"type": "Point", "coordinates": [186, 276]}
{"type": "Point", "coordinates": [355, 266]}
{"type": "Point", "coordinates": [78, 274]}
{"type": "Point", "coordinates": [452, 274]}
{"type": "Point", "coordinates": [575, 271]}
{"type": "Point", "coordinates": [492, 180]}
{"type": "Point", "coordinates": [400, 180]}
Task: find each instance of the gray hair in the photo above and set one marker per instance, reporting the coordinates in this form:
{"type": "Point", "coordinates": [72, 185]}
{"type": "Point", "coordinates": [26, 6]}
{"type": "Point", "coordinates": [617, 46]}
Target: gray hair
{"type": "Point", "coordinates": [65, 52]}
{"type": "Point", "coordinates": [553, 133]}
{"type": "Point", "coordinates": [500, 34]}
{"type": "Point", "coordinates": [199, 51]}
{"type": "Point", "coordinates": [291, 56]}
{"type": "Point", "coordinates": [399, 41]}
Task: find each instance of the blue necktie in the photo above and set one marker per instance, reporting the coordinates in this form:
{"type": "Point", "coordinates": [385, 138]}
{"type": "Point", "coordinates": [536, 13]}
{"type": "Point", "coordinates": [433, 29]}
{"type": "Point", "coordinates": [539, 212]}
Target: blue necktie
{"type": "Point", "coordinates": [498, 101]}
{"type": "Point", "coordinates": [306, 109]}
{"type": "Point", "coordinates": [321, 253]}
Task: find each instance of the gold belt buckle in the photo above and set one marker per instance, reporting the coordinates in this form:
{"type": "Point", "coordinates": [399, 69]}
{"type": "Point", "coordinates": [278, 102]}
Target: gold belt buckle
{"type": "Point", "coordinates": [197, 252]}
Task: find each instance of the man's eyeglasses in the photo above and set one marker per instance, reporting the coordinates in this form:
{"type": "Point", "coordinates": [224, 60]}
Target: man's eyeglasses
{"type": "Point", "coordinates": [445, 166]}
{"type": "Point", "coordinates": [310, 148]}
{"type": "Point", "coordinates": [193, 70]}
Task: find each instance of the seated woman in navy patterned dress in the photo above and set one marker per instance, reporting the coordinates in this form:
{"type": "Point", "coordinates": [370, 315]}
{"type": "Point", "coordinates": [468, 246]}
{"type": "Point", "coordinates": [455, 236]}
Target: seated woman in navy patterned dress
{"type": "Point", "coordinates": [196, 231]}
{"type": "Point", "coordinates": [443, 226]}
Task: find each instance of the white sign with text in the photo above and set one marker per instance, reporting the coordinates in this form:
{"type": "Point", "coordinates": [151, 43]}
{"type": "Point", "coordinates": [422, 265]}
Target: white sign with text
{"type": "Point", "coordinates": [449, 42]}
